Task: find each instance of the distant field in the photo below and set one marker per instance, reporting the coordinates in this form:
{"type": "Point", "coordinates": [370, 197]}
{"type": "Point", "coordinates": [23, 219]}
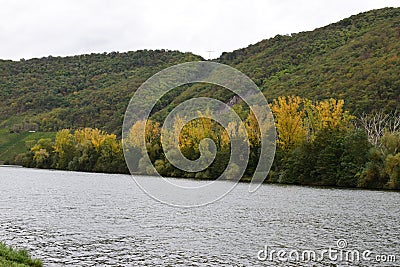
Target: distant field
{"type": "Point", "coordinates": [15, 143]}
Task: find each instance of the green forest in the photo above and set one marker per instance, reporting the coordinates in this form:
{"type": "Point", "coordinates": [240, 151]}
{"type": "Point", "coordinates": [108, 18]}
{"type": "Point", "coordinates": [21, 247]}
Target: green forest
{"type": "Point", "coordinates": [334, 93]}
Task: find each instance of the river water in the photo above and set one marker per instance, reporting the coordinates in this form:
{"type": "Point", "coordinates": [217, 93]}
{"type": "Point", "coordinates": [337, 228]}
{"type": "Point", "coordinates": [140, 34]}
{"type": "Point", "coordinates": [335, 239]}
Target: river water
{"type": "Point", "coordinates": [86, 219]}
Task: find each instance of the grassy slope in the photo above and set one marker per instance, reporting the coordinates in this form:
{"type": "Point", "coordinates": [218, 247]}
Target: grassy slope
{"type": "Point", "coordinates": [15, 143]}
{"type": "Point", "coordinates": [16, 258]}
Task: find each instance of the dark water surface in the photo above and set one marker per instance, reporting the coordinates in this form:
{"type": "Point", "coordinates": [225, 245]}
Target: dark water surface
{"type": "Point", "coordinates": [85, 219]}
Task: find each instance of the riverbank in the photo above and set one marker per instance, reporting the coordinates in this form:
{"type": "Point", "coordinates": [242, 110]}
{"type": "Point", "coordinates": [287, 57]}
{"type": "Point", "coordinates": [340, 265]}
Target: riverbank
{"type": "Point", "coordinates": [17, 258]}
{"type": "Point", "coordinates": [245, 179]}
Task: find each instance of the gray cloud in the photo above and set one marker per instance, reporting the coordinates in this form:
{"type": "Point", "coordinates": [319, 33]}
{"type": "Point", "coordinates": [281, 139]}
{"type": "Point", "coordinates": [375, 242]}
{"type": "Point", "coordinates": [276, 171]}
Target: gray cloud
{"type": "Point", "coordinates": [36, 28]}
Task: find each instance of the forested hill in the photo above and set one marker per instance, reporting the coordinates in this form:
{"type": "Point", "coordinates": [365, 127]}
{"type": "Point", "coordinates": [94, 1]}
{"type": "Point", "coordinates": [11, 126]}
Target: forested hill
{"type": "Point", "coordinates": [356, 59]}
{"type": "Point", "coordinates": [93, 90]}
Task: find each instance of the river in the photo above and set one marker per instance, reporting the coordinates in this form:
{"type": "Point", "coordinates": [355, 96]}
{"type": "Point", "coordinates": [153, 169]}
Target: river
{"type": "Point", "coordinates": [87, 219]}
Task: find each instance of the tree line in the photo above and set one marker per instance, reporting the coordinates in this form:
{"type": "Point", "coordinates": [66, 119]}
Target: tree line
{"type": "Point", "coordinates": [87, 149]}
{"type": "Point", "coordinates": [318, 143]}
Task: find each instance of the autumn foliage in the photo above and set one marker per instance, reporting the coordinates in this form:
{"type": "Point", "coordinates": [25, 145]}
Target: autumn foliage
{"type": "Point", "coordinates": [318, 143]}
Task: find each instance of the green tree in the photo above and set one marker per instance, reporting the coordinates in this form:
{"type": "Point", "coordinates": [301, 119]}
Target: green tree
{"type": "Point", "coordinates": [354, 158]}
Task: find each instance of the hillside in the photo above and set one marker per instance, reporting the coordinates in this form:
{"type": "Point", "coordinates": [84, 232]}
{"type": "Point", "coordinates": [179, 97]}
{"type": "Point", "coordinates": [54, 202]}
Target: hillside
{"type": "Point", "coordinates": [356, 59]}
{"type": "Point", "coordinates": [52, 93]}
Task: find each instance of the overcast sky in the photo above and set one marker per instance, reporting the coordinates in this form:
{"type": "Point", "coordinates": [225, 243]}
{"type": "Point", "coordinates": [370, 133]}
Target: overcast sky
{"type": "Point", "coordinates": [37, 28]}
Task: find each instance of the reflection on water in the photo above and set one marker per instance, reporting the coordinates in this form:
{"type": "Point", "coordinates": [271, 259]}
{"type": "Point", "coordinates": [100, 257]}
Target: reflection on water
{"type": "Point", "coordinates": [86, 219]}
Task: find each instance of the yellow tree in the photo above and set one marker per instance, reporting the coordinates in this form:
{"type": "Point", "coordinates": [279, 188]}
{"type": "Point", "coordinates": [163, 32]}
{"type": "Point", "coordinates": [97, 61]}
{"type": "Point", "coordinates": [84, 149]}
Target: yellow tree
{"type": "Point", "coordinates": [253, 130]}
{"type": "Point", "coordinates": [136, 134]}
{"type": "Point", "coordinates": [191, 133]}
{"type": "Point", "coordinates": [64, 148]}
{"type": "Point", "coordinates": [151, 135]}
{"type": "Point", "coordinates": [95, 137]}
{"type": "Point", "coordinates": [332, 114]}
{"type": "Point", "coordinates": [328, 113]}
{"type": "Point", "coordinates": [289, 115]}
